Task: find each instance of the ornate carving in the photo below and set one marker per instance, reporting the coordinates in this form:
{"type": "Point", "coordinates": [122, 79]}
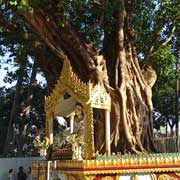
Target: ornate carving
{"type": "Point", "coordinates": [157, 164]}
{"type": "Point", "coordinates": [68, 81]}
{"type": "Point", "coordinates": [177, 174]}
{"type": "Point", "coordinates": [71, 178]}
{"type": "Point", "coordinates": [166, 177]}
{"type": "Point", "coordinates": [134, 177]}
{"type": "Point", "coordinates": [89, 177]}
{"type": "Point", "coordinates": [107, 178]}
{"type": "Point", "coordinates": [86, 94]}
{"type": "Point", "coordinates": [153, 176]}
{"type": "Point", "coordinates": [89, 135]}
{"type": "Point", "coordinates": [100, 98]}
{"type": "Point", "coordinates": [88, 169]}
{"type": "Point", "coordinates": [118, 177]}
{"type": "Point", "coordinates": [80, 177]}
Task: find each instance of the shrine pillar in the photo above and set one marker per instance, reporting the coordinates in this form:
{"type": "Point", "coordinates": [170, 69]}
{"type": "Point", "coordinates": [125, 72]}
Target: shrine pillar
{"type": "Point", "coordinates": [51, 131]}
{"type": "Point", "coordinates": [72, 122]}
{"type": "Point", "coordinates": [107, 133]}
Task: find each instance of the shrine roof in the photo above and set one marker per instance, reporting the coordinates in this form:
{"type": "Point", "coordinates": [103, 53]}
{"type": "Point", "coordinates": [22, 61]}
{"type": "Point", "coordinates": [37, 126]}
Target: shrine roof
{"type": "Point", "coordinates": [79, 92]}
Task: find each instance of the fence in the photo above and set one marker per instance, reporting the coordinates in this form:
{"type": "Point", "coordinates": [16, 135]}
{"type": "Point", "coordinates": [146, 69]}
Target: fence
{"type": "Point", "coordinates": [163, 144]}
{"type": "Point", "coordinates": [166, 144]}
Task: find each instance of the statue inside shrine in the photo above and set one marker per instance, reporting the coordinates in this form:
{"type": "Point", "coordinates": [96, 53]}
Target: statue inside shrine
{"type": "Point", "coordinates": [71, 135]}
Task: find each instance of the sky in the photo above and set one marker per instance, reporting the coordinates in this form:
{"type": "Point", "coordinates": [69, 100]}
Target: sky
{"type": "Point", "coordinates": [39, 77]}
{"type": "Point", "coordinates": [3, 71]}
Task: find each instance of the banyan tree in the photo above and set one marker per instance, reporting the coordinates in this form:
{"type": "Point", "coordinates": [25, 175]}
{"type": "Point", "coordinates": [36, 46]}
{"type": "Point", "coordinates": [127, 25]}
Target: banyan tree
{"type": "Point", "coordinates": [67, 29]}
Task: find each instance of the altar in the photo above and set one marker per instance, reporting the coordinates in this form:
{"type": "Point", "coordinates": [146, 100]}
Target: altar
{"type": "Point", "coordinates": [77, 155]}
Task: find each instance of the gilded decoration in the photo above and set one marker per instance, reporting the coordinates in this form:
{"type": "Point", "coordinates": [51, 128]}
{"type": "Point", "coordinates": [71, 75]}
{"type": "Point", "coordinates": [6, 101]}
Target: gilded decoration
{"type": "Point", "coordinates": [80, 177]}
{"type": "Point", "coordinates": [89, 135]}
{"type": "Point", "coordinates": [89, 169]}
{"type": "Point", "coordinates": [86, 177]}
{"type": "Point", "coordinates": [159, 163]}
{"type": "Point", "coordinates": [90, 177]}
{"type": "Point", "coordinates": [153, 176]}
{"type": "Point", "coordinates": [88, 95]}
{"type": "Point", "coordinates": [134, 177]}
{"type": "Point", "coordinates": [99, 97]}
{"type": "Point", "coordinates": [107, 178]}
{"type": "Point", "coordinates": [68, 81]}
{"type": "Point", "coordinates": [71, 178]}
{"type": "Point", "coordinates": [166, 177]}
{"type": "Point", "coordinates": [118, 176]}
{"type": "Point", "coordinates": [178, 174]}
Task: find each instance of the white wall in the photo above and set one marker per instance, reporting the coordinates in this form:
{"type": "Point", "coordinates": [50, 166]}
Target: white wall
{"type": "Point", "coordinates": [14, 163]}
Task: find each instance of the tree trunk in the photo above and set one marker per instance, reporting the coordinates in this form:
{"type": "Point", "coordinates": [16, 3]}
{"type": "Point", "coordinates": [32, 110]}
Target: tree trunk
{"type": "Point", "coordinates": [26, 110]}
{"type": "Point", "coordinates": [132, 105]}
{"type": "Point", "coordinates": [32, 85]}
{"type": "Point", "coordinates": [14, 110]}
{"type": "Point", "coordinates": [177, 105]}
{"type": "Point", "coordinates": [129, 85]}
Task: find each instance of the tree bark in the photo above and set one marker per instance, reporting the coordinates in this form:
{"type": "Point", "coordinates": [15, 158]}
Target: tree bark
{"type": "Point", "coordinates": [177, 104]}
{"type": "Point", "coordinates": [26, 110]}
{"type": "Point", "coordinates": [14, 110]}
{"type": "Point", "coordinates": [131, 95]}
{"type": "Point", "coordinates": [129, 85]}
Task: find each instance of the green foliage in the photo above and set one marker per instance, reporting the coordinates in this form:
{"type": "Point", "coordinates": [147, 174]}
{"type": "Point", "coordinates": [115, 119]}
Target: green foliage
{"type": "Point", "coordinates": [143, 24]}
{"type": "Point", "coordinates": [22, 9]}
{"type": "Point", "coordinates": [153, 21]}
{"type": "Point", "coordinates": [164, 64]}
{"type": "Point", "coordinates": [164, 90]}
{"type": "Point", "coordinates": [6, 100]}
{"type": "Point", "coordinates": [21, 6]}
{"type": "Point", "coordinates": [41, 144]}
{"type": "Point", "coordinates": [85, 17]}
{"type": "Point", "coordinates": [36, 118]}
{"type": "Point", "coordinates": [150, 18]}
{"type": "Point", "coordinates": [152, 25]}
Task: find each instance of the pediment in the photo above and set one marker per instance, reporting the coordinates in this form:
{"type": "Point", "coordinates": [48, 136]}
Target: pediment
{"type": "Point", "coordinates": [69, 83]}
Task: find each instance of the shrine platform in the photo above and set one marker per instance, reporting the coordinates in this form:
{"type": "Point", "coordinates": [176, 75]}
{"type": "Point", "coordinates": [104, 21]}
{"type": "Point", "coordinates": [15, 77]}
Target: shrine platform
{"type": "Point", "coordinates": [123, 167]}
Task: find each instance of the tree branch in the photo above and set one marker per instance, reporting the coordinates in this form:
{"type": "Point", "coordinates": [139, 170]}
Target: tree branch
{"type": "Point", "coordinates": [169, 38]}
{"type": "Point", "coordinates": [152, 51]}
{"type": "Point", "coordinates": [63, 41]}
{"type": "Point", "coordinates": [6, 24]}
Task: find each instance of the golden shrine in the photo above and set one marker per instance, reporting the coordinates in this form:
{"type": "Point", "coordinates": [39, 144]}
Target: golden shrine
{"type": "Point", "coordinates": [76, 159]}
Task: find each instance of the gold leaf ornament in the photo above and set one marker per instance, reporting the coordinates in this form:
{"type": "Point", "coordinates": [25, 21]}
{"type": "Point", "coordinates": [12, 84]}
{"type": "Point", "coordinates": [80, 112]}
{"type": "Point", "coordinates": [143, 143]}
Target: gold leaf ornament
{"type": "Point", "coordinates": [107, 178]}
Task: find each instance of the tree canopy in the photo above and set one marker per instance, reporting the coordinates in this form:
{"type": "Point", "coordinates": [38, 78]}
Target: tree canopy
{"type": "Point", "coordinates": [46, 32]}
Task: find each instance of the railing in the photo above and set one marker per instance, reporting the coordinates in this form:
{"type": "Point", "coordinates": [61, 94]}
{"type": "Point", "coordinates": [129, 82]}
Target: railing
{"type": "Point", "coordinates": [166, 144]}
